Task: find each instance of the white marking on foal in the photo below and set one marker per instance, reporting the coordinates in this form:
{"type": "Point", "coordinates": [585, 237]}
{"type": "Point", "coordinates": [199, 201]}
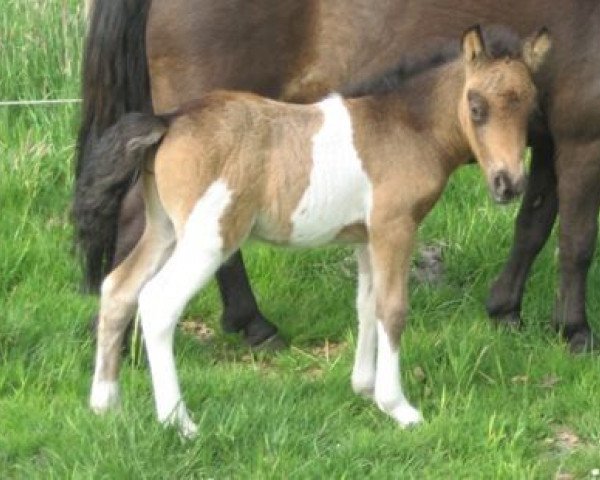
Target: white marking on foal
{"type": "Point", "coordinates": [197, 256]}
{"type": "Point", "coordinates": [363, 373]}
{"type": "Point", "coordinates": [339, 192]}
{"type": "Point", "coordinates": [104, 395]}
{"type": "Point", "coordinates": [388, 389]}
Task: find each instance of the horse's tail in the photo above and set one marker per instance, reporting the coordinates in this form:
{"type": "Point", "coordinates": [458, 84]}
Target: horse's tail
{"type": "Point", "coordinates": [114, 160]}
{"type": "Point", "coordinates": [115, 81]}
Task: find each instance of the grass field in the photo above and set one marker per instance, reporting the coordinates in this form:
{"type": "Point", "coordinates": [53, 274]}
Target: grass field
{"type": "Point", "coordinates": [497, 404]}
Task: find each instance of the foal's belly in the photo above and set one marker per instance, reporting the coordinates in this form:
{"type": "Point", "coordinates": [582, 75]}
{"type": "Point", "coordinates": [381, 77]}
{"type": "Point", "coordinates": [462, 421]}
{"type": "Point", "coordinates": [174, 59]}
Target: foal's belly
{"type": "Point", "coordinates": [328, 208]}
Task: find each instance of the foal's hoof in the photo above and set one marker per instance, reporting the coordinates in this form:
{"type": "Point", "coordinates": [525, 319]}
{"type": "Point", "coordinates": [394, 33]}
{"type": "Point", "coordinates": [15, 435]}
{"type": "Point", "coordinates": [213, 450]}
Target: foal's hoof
{"type": "Point", "coordinates": [364, 389]}
{"type": "Point", "coordinates": [188, 430]}
{"type": "Point", "coordinates": [181, 421]}
{"type": "Point", "coordinates": [583, 341]}
{"type": "Point", "coordinates": [104, 397]}
{"type": "Point", "coordinates": [406, 416]}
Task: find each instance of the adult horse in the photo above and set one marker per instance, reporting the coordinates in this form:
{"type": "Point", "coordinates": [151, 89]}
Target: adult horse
{"type": "Point", "coordinates": [144, 55]}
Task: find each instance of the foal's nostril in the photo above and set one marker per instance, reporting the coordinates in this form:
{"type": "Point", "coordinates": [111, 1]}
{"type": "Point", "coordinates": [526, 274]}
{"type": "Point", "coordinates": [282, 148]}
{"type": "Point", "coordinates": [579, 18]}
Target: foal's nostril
{"type": "Point", "coordinates": [503, 188]}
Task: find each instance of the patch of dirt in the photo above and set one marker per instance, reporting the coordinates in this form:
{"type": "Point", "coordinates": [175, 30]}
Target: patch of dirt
{"type": "Point", "coordinates": [419, 374]}
{"type": "Point", "coordinates": [321, 354]}
{"type": "Point", "coordinates": [429, 264]}
{"type": "Point", "coordinates": [564, 439]}
{"type": "Point", "coordinates": [549, 381]}
{"type": "Point", "coordinates": [198, 329]}
{"type": "Point", "coordinates": [327, 350]}
{"type": "Point", "coordinates": [520, 379]}
{"type": "Point", "coordinates": [564, 476]}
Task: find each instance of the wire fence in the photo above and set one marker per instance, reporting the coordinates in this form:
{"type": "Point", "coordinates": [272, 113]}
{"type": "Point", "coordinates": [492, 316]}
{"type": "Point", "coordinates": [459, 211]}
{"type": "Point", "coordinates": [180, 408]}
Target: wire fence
{"type": "Point", "coordinates": [28, 103]}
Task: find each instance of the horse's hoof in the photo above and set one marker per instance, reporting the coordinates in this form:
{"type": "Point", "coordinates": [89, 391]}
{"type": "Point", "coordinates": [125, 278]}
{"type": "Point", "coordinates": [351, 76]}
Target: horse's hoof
{"type": "Point", "coordinates": [272, 344]}
{"type": "Point", "coordinates": [261, 334]}
{"type": "Point", "coordinates": [582, 342]}
{"type": "Point", "coordinates": [510, 321]}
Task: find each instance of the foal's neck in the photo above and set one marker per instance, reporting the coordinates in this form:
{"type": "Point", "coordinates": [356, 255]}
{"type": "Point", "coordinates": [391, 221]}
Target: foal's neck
{"type": "Point", "coordinates": [430, 101]}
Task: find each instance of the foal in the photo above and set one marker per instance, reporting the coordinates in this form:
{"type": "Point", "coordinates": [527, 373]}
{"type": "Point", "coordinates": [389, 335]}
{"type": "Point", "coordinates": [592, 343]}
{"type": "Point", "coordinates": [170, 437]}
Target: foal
{"type": "Point", "coordinates": [364, 171]}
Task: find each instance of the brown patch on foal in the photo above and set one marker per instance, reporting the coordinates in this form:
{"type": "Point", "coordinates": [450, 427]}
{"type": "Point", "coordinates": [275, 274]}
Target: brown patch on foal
{"type": "Point", "coordinates": [256, 146]}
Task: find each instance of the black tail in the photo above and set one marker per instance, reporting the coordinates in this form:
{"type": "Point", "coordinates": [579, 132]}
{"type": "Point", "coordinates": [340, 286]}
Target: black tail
{"type": "Point", "coordinates": [115, 81]}
{"type": "Point", "coordinates": [113, 162]}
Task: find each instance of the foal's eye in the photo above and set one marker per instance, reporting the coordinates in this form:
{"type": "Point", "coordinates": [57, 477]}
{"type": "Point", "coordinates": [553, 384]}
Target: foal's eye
{"type": "Point", "coordinates": [478, 107]}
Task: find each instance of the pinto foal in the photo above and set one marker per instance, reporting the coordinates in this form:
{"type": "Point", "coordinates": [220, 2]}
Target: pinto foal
{"type": "Point", "coordinates": [364, 171]}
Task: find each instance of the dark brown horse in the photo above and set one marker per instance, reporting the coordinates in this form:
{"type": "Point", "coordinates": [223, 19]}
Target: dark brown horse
{"type": "Point", "coordinates": [300, 51]}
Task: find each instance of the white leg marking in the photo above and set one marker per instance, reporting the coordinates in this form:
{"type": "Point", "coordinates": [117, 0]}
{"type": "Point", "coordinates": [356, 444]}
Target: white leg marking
{"type": "Point", "coordinates": [104, 395]}
{"type": "Point", "coordinates": [363, 373]}
{"type": "Point", "coordinates": [195, 259]}
{"type": "Point", "coordinates": [388, 389]}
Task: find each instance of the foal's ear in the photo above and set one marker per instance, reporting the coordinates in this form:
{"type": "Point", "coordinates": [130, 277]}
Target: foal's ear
{"type": "Point", "coordinates": [473, 47]}
{"type": "Point", "coordinates": [536, 48]}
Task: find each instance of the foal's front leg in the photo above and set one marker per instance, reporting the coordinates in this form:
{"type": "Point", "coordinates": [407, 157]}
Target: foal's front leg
{"type": "Point", "coordinates": [391, 247]}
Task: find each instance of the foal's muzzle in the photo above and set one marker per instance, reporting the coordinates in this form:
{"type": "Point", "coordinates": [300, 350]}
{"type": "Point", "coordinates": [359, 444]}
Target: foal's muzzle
{"type": "Point", "coordinates": [504, 188]}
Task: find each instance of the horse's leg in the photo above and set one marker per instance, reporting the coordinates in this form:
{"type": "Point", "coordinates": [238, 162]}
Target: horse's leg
{"type": "Point", "coordinates": [363, 373]}
{"type": "Point", "coordinates": [118, 302]}
{"type": "Point", "coordinates": [391, 246]}
{"type": "Point", "coordinates": [578, 170]}
{"type": "Point", "coordinates": [240, 310]}
{"type": "Point", "coordinates": [533, 226]}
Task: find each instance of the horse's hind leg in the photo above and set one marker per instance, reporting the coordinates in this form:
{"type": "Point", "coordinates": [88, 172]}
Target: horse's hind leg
{"type": "Point", "coordinates": [578, 170]}
{"type": "Point", "coordinates": [118, 302]}
{"type": "Point", "coordinates": [363, 373]}
{"type": "Point", "coordinates": [533, 226]}
{"type": "Point", "coordinates": [240, 310]}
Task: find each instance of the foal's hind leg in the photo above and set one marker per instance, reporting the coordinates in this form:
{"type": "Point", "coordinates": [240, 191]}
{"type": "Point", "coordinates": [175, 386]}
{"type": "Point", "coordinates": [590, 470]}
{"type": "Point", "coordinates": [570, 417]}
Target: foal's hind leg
{"type": "Point", "coordinates": [118, 302]}
{"type": "Point", "coordinates": [533, 226]}
{"type": "Point", "coordinates": [198, 255]}
{"type": "Point", "coordinates": [391, 246]}
{"type": "Point", "coordinates": [363, 373]}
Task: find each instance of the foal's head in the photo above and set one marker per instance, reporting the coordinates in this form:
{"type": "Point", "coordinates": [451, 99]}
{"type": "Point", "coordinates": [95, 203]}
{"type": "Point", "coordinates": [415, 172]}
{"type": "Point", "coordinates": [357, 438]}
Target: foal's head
{"type": "Point", "coordinates": [498, 99]}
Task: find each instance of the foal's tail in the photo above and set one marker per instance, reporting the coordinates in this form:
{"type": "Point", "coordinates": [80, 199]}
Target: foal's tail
{"type": "Point", "coordinates": [115, 159]}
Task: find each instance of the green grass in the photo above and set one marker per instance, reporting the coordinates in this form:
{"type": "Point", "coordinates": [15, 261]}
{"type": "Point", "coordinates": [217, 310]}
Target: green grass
{"type": "Point", "coordinates": [498, 405]}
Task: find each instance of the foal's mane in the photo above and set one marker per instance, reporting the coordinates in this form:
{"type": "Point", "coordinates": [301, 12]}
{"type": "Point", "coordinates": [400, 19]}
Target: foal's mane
{"type": "Point", "coordinates": [500, 42]}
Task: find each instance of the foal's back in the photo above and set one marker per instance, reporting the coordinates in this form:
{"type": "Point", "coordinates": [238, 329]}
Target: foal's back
{"type": "Point", "coordinates": [294, 167]}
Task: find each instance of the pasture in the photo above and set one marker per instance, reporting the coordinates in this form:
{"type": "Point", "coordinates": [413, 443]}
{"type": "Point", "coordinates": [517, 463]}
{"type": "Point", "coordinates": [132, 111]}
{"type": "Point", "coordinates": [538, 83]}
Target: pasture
{"type": "Point", "coordinates": [497, 404]}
